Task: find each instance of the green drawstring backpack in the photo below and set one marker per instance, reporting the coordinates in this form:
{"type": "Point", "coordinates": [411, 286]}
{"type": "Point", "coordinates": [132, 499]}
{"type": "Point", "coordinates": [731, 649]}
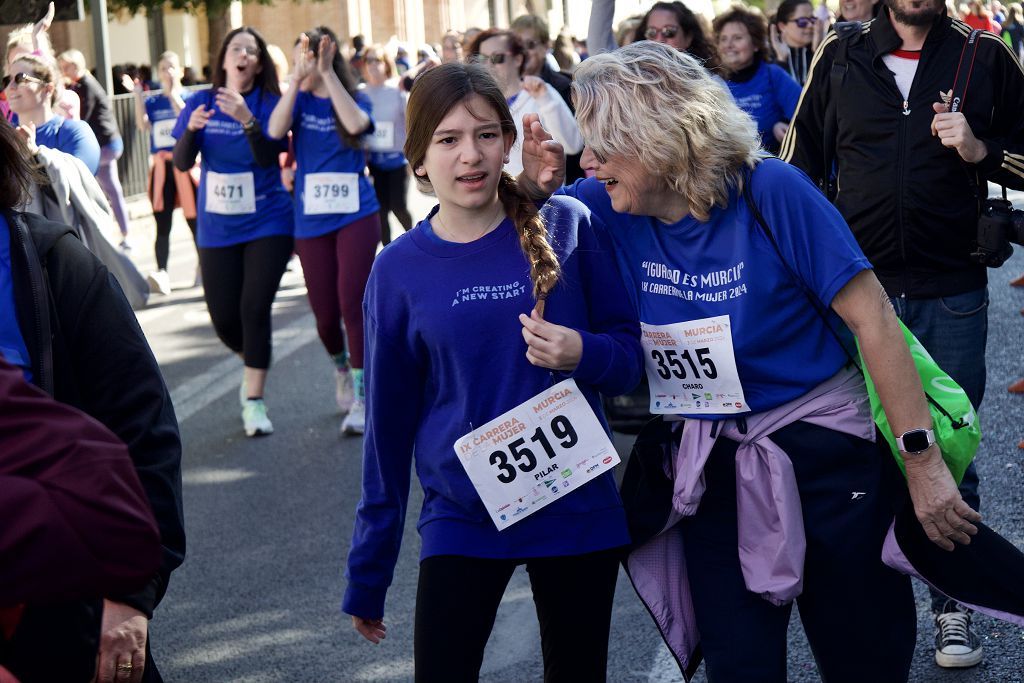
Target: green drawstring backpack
{"type": "Point", "coordinates": [957, 430]}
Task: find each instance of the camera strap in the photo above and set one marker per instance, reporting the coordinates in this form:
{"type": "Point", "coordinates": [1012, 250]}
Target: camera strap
{"type": "Point", "coordinates": [964, 69]}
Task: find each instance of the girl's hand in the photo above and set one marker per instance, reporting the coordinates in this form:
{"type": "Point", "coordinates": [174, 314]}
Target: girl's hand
{"type": "Point", "coordinates": [27, 132]}
{"type": "Point", "coordinates": [128, 84]}
{"type": "Point", "coordinates": [373, 630]}
{"type": "Point", "coordinates": [199, 117]}
{"type": "Point", "coordinates": [779, 46]}
{"type": "Point", "coordinates": [305, 63]}
{"type": "Point", "coordinates": [779, 130]}
{"type": "Point", "coordinates": [233, 104]}
{"type": "Point", "coordinates": [535, 87]}
{"type": "Point", "coordinates": [325, 56]}
{"type": "Point", "coordinates": [551, 346]}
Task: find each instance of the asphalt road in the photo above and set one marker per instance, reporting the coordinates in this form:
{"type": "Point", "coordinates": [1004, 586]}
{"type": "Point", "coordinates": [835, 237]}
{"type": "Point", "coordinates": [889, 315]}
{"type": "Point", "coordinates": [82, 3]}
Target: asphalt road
{"type": "Point", "coordinates": [269, 520]}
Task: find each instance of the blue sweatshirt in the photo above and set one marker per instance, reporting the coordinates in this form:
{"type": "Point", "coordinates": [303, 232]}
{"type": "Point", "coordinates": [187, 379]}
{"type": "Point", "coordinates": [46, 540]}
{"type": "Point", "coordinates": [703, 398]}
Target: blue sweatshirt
{"type": "Point", "coordinates": [445, 354]}
{"type": "Point", "coordinates": [769, 95]}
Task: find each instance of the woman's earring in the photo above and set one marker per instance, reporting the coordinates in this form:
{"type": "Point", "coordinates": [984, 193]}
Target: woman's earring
{"type": "Point", "coordinates": [507, 159]}
{"type": "Point", "coordinates": [420, 171]}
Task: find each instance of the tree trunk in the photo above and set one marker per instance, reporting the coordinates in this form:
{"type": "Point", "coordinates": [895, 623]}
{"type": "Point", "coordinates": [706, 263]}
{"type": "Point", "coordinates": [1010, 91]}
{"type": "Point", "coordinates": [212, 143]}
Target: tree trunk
{"type": "Point", "coordinates": [219, 26]}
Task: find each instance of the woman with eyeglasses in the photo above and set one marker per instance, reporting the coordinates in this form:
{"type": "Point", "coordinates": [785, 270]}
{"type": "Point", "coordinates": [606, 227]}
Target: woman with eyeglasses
{"type": "Point", "coordinates": [386, 161]}
{"type": "Point", "coordinates": [793, 34]}
{"type": "Point", "coordinates": [760, 88]}
{"type": "Point", "coordinates": [156, 114]}
{"type": "Point", "coordinates": [775, 487]}
{"type": "Point", "coordinates": [31, 90]}
{"type": "Point", "coordinates": [491, 306]}
{"type": "Point", "coordinates": [503, 55]}
{"type": "Point", "coordinates": [245, 225]}
{"type": "Point", "coordinates": [673, 24]}
{"type": "Point", "coordinates": [336, 211]}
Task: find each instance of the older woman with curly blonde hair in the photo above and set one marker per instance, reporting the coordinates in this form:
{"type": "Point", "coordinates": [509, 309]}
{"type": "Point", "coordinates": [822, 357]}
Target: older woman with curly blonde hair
{"type": "Point", "coordinates": [746, 280]}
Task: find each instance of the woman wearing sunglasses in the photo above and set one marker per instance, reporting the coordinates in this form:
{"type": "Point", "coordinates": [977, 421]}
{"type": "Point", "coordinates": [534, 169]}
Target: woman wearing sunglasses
{"type": "Point", "coordinates": [673, 24]}
{"type": "Point", "coordinates": [31, 89]}
{"type": "Point", "coordinates": [794, 37]}
{"type": "Point", "coordinates": [503, 55]}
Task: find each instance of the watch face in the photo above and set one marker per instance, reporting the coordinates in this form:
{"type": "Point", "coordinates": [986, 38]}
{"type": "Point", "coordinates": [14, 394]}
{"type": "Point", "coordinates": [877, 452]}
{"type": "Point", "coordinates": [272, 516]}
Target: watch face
{"type": "Point", "coordinates": [915, 441]}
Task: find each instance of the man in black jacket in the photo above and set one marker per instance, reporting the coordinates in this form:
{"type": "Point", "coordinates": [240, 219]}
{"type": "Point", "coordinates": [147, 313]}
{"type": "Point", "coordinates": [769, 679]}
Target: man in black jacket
{"type": "Point", "coordinates": [85, 348]}
{"type": "Point", "coordinates": [906, 160]}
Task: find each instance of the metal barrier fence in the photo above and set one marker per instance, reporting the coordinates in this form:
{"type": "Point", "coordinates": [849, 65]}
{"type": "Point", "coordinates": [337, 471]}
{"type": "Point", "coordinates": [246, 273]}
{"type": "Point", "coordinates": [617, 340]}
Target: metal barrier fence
{"type": "Point", "coordinates": [133, 166]}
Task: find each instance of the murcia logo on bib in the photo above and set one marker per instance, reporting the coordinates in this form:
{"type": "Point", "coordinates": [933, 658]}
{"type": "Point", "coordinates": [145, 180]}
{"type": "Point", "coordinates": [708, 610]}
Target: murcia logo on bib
{"type": "Point", "coordinates": [691, 368]}
{"type": "Point", "coordinates": [536, 453]}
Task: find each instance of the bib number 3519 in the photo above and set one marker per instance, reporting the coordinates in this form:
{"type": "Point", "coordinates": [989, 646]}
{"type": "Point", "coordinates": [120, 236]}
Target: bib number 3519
{"type": "Point", "coordinates": [536, 453]}
{"type": "Point", "coordinates": [560, 427]}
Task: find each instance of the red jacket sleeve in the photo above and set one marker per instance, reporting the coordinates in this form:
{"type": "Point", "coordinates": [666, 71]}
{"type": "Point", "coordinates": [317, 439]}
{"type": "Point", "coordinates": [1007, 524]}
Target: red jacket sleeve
{"type": "Point", "coordinates": [76, 522]}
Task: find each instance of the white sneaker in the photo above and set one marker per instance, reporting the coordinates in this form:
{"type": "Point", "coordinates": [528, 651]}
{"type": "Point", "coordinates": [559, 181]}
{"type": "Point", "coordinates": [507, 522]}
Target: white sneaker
{"type": "Point", "coordinates": [956, 644]}
{"type": "Point", "coordinates": [344, 393]}
{"type": "Point", "coordinates": [355, 421]}
{"type": "Point", "coordinates": [159, 282]}
{"type": "Point", "coordinates": [254, 417]}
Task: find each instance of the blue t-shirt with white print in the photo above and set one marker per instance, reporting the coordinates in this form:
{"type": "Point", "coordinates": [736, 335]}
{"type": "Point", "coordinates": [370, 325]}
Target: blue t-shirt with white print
{"type": "Point", "coordinates": [225, 150]}
{"type": "Point", "coordinates": [160, 110]}
{"type": "Point", "coordinates": [320, 149]}
{"type": "Point", "coordinates": [692, 270]}
{"type": "Point", "coordinates": [770, 96]}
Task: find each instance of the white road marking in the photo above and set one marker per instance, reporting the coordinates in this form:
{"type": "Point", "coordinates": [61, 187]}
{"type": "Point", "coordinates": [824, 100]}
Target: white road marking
{"type": "Point", "coordinates": [202, 390]}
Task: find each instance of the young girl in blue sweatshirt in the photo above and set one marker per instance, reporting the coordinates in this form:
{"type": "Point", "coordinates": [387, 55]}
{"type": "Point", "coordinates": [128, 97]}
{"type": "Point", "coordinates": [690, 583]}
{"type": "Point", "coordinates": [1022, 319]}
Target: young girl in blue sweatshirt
{"type": "Point", "coordinates": [482, 307]}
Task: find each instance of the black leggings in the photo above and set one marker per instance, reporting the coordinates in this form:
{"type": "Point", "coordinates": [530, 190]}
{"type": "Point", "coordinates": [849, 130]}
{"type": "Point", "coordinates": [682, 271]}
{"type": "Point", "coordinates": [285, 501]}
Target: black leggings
{"type": "Point", "coordinates": [457, 599]}
{"type": "Point", "coordinates": [858, 614]}
{"type": "Point", "coordinates": [164, 219]}
{"type": "Point", "coordinates": [391, 188]}
{"type": "Point", "coordinates": [239, 283]}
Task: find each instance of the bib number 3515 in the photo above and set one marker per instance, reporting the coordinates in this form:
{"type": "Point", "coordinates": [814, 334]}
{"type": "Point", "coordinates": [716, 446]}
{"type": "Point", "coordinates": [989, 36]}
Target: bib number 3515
{"type": "Point", "coordinates": [536, 453]}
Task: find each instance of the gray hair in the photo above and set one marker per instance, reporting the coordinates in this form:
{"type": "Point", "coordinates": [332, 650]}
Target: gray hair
{"type": "Point", "coordinates": [650, 102]}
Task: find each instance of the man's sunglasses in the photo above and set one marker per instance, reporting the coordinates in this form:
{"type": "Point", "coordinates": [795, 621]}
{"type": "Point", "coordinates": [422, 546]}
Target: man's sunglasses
{"type": "Point", "coordinates": [494, 58]}
{"type": "Point", "coordinates": [804, 22]}
{"type": "Point", "coordinates": [21, 79]}
{"type": "Point", "coordinates": [666, 32]}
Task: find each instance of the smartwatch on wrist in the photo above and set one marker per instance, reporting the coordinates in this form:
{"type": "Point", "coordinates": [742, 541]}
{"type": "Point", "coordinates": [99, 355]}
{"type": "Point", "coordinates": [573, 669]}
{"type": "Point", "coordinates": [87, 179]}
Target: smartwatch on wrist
{"type": "Point", "coordinates": [249, 125]}
{"type": "Point", "coordinates": [916, 441]}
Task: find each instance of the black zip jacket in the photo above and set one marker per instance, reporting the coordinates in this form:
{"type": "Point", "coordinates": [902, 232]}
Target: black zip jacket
{"type": "Point", "coordinates": [910, 201]}
{"type": "Point", "coordinates": [88, 351]}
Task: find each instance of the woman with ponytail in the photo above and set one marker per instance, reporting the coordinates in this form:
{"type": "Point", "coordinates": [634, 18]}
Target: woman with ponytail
{"type": "Point", "coordinates": [336, 210]}
{"type": "Point", "coordinates": [483, 309]}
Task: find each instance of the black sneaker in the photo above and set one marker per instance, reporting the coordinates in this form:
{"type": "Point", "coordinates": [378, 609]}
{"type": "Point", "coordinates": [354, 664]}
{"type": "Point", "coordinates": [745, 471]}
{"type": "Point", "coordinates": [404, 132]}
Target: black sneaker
{"type": "Point", "coordinates": [956, 645]}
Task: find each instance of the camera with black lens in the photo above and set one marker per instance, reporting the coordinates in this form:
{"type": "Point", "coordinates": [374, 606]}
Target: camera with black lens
{"type": "Point", "coordinates": [998, 225]}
